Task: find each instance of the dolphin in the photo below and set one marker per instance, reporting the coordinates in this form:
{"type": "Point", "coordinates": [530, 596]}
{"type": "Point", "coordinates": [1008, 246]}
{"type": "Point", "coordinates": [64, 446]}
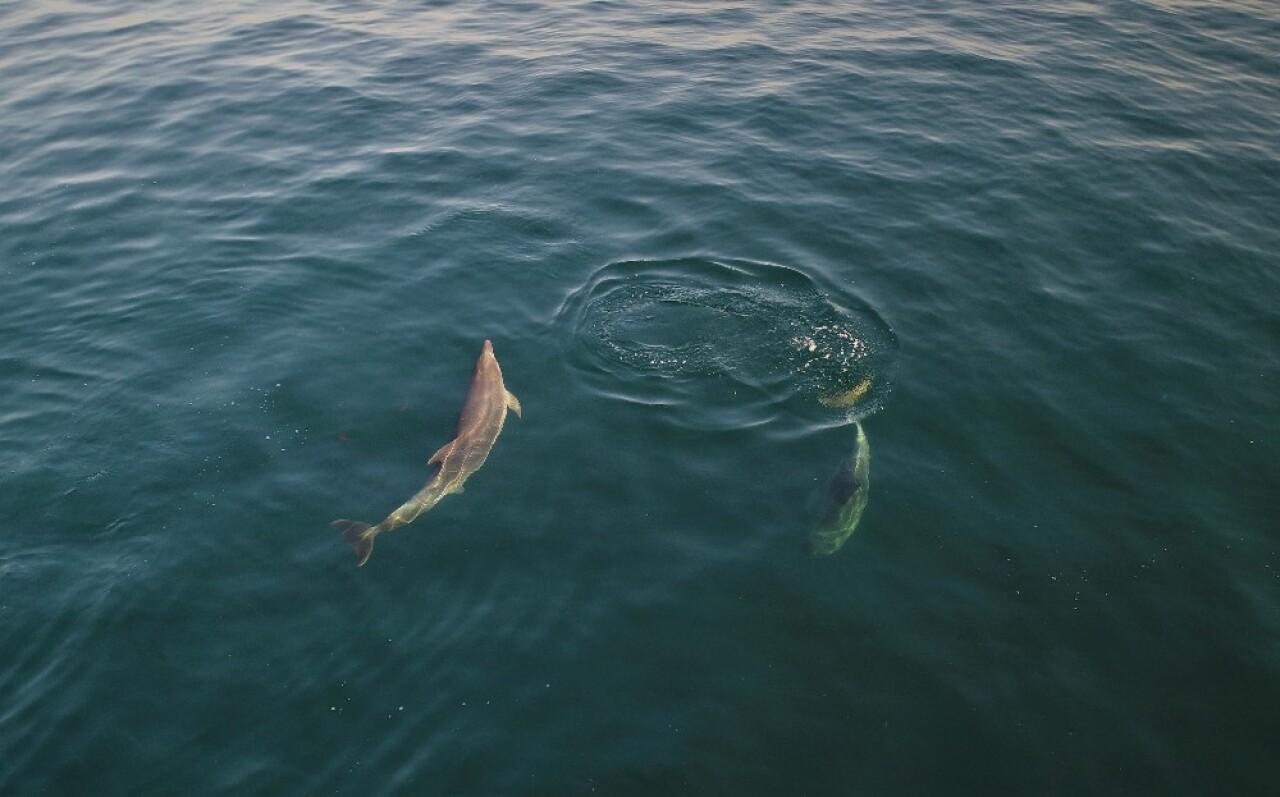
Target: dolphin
{"type": "Point", "coordinates": [846, 498]}
{"type": "Point", "coordinates": [483, 413]}
{"type": "Point", "coordinates": [848, 398]}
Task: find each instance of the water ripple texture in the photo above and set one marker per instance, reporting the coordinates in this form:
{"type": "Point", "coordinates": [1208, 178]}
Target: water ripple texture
{"type": "Point", "coordinates": [248, 252]}
{"type": "Point", "coordinates": [714, 335]}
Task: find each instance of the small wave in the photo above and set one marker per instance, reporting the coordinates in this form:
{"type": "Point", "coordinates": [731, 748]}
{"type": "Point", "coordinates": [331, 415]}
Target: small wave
{"type": "Point", "coordinates": [706, 335]}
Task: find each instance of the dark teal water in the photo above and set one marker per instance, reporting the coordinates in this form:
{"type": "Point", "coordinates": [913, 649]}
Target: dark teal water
{"type": "Point", "coordinates": [250, 252]}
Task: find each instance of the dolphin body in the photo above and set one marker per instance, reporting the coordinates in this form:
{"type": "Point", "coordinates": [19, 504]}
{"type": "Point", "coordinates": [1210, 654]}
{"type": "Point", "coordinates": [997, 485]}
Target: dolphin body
{"type": "Point", "coordinates": [847, 497]}
{"type": "Point", "coordinates": [483, 414]}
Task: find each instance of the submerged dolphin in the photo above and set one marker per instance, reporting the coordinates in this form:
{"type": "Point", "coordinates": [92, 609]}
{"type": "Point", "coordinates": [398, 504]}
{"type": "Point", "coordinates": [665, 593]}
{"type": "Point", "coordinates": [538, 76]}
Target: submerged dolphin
{"type": "Point", "coordinates": [847, 497]}
{"type": "Point", "coordinates": [483, 414]}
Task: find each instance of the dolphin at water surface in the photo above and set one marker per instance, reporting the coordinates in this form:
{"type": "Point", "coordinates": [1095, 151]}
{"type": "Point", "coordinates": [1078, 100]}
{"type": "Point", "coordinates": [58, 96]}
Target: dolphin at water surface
{"type": "Point", "coordinates": [483, 414]}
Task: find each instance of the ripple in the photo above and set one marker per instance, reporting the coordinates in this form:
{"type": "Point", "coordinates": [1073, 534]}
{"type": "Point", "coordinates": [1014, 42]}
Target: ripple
{"type": "Point", "coordinates": [729, 343]}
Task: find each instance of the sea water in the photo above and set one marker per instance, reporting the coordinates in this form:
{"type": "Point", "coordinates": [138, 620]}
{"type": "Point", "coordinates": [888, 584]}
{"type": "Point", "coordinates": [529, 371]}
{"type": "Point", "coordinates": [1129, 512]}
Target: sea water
{"type": "Point", "coordinates": [249, 253]}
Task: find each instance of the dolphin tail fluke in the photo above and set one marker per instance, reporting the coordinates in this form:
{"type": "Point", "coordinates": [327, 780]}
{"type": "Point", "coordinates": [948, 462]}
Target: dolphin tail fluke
{"type": "Point", "coordinates": [360, 537]}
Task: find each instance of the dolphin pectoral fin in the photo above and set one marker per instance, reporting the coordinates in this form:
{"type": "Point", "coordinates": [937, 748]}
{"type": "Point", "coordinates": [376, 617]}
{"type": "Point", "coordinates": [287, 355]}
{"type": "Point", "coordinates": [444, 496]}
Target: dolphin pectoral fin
{"type": "Point", "coordinates": [360, 537]}
{"type": "Point", "coordinates": [442, 453]}
{"type": "Point", "coordinates": [513, 403]}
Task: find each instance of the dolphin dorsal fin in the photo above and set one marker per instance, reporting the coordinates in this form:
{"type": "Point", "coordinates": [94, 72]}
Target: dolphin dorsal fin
{"type": "Point", "coordinates": [442, 453]}
{"type": "Point", "coordinates": [513, 403]}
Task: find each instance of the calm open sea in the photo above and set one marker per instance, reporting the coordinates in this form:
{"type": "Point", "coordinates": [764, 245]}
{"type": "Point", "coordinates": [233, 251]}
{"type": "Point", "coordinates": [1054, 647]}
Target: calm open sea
{"type": "Point", "coordinates": [249, 253]}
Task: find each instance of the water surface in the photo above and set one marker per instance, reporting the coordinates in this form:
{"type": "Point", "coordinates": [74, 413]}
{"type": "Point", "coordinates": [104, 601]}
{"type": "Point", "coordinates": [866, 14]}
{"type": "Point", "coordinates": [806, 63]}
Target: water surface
{"type": "Point", "coordinates": [249, 255]}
